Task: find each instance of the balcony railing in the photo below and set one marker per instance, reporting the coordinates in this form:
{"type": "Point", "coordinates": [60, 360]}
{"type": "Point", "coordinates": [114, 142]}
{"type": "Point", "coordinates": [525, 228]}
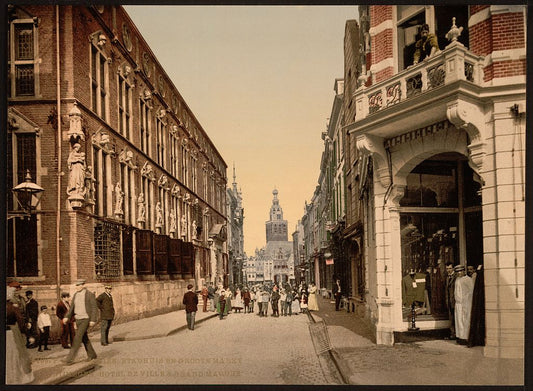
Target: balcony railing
{"type": "Point", "coordinates": [452, 64]}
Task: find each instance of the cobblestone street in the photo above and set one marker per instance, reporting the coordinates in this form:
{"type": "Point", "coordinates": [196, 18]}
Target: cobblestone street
{"type": "Point", "coordinates": [241, 349]}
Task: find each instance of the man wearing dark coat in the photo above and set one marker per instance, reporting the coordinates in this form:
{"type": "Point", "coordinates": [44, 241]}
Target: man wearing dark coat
{"type": "Point", "coordinates": [190, 300]}
{"type": "Point", "coordinates": [32, 312]}
{"type": "Point", "coordinates": [107, 313]}
{"type": "Point", "coordinates": [67, 329]}
{"type": "Point", "coordinates": [84, 308]}
{"type": "Point", "coordinates": [450, 297]}
{"type": "Point", "coordinates": [337, 294]}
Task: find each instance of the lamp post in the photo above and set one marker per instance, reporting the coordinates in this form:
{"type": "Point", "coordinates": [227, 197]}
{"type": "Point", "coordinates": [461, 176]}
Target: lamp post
{"type": "Point", "coordinates": [28, 196]}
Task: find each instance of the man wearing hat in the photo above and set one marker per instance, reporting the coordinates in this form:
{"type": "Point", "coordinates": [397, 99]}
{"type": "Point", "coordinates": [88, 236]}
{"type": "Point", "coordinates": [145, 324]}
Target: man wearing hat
{"type": "Point", "coordinates": [107, 313]}
{"type": "Point", "coordinates": [32, 312]}
{"type": "Point", "coordinates": [190, 300]}
{"type": "Point", "coordinates": [85, 310]}
{"type": "Point", "coordinates": [67, 329]}
{"type": "Point", "coordinates": [17, 299]}
{"type": "Point", "coordinates": [464, 288]}
{"type": "Point", "coordinates": [426, 46]}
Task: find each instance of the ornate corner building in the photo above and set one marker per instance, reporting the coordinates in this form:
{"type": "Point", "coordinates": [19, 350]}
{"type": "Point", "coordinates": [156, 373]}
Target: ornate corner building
{"type": "Point", "coordinates": [134, 189]}
{"type": "Point", "coordinates": [434, 168]}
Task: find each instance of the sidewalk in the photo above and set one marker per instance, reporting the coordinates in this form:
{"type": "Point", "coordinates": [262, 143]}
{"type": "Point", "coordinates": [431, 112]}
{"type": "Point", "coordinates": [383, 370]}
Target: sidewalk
{"type": "Point", "coordinates": [48, 367]}
{"type": "Point", "coordinates": [429, 362]}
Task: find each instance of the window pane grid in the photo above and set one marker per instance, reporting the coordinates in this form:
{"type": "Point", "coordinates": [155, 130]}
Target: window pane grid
{"type": "Point", "coordinates": [24, 44]}
{"type": "Point", "coordinates": [107, 250]}
{"type": "Point", "coordinates": [25, 80]}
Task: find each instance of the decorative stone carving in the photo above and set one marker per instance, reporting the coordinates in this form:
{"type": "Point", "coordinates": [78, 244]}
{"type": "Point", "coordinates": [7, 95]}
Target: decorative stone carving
{"type": "Point", "coordinates": [158, 217]}
{"type": "Point", "coordinates": [194, 230]}
{"type": "Point", "coordinates": [119, 200]}
{"type": "Point", "coordinates": [126, 37]}
{"type": "Point", "coordinates": [163, 182]}
{"type": "Point", "coordinates": [183, 226]}
{"type": "Point", "coordinates": [126, 156]}
{"type": "Point", "coordinates": [454, 32]}
{"type": "Point", "coordinates": [89, 186]}
{"type": "Point", "coordinates": [75, 131]}
{"type": "Point", "coordinates": [172, 221]}
{"type": "Point", "coordinates": [374, 146]}
{"type": "Point", "coordinates": [141, 207]}
{"type": "Point", "coordinates": [148, 172]}
{"type": "Point", "coordinates": [76, 178]}
{"type": "Point", "coordinates": [175, 191]}
{"type": "Point", "coordinates": [468, 116]}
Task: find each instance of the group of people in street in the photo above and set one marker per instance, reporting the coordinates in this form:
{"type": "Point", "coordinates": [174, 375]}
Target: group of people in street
{"type": "Point", "coordinates": [465, 300]}
{"type": "Point", "coordinates": [281, 299]}
{"type": "Point", "coordinates": [25, 317]}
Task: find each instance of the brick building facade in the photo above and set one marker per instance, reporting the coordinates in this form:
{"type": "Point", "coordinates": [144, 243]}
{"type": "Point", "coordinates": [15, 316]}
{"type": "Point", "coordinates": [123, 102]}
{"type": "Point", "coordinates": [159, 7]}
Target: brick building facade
{"type": "Point", "coordinates": [134, 189]}
{"type": "Point", "coordinates": [442, 143]}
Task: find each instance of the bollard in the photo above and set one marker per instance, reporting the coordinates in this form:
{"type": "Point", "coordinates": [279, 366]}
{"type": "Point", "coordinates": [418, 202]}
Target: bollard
{"type": "Point", "coordinates": [413, 319]}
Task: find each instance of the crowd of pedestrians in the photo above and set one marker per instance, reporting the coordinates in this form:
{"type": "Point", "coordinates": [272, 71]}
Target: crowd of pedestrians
{"type": "Point", "coordinates": [262, 299]}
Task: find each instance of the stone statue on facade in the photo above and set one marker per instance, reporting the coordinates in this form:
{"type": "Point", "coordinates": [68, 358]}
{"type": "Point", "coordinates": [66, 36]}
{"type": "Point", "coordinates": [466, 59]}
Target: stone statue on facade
{"type": "Point", "coordinates": [183, 226]}
{"type": "Point", "coordinates": [159, 217]}
{"type": "Point", "coordinates": [172, 222]}
{"type": "Point", "coordinates": [119, 200]}
{"type": "Point", "coordinates": [141, 207]}
{"type": "Point", "coordinates": [76, 177]}
{"type": "Point", "coordinates": [89, 186]}
{"type": "Point", "coordinates": [194, 230]}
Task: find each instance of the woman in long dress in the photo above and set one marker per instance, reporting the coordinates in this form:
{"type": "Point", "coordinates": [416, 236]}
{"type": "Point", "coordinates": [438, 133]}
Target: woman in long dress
{"type": "Point", "coordinates": [237, 303]}
{"type": "Point", "coordinates": [18, 362]}
{"type": "Point", "coordinates": [312, 302]}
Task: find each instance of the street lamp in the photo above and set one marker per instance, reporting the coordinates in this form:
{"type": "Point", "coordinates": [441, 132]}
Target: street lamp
{"type": "Point", "coordinates": [28, 196]}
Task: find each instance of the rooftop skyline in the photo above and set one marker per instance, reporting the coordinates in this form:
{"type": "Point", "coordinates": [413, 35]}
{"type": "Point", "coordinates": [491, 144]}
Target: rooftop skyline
{"type": "Point", "coordinates": [260, 80]}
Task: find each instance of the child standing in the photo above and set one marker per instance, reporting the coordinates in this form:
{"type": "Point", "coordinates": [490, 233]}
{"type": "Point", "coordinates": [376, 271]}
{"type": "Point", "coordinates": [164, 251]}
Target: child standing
{"type": "Point", "coordinates": [43, 323]}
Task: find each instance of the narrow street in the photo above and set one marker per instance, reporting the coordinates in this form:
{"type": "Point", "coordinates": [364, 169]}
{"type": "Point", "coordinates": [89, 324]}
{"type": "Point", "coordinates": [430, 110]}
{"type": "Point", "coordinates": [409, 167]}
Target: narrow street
{"type": "Point", "coordinates": [241, 349]}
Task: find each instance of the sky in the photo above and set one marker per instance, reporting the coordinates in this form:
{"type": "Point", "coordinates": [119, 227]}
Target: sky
{"type": "Point", "coordinates": [260, 80]}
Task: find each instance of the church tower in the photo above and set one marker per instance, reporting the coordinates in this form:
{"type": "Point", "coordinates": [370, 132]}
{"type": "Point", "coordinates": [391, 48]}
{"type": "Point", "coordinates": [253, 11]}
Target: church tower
{"type": "Point", "coordinates": [276, 227]}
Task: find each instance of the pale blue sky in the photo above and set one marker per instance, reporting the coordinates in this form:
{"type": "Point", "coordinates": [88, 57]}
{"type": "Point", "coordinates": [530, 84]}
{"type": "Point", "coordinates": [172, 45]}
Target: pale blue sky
{"type": "Point", "coordinates": [260, 81]}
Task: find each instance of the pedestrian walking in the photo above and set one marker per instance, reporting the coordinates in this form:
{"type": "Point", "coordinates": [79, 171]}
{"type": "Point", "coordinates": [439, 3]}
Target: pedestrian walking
{"type": "Point", "coordinates": [282, 302]}
{"type": "Point", "coordinates": [274, 299]}
{"type": "Point", "coordinates": [18, 362]}
{"type": "Point", "coordinates": [85, 309]}
{"type": "Point", "coordinates": [246, 298]}
{"type": "Point", "coordinates": [107, 314]}
{"type": "Point", "coordinates": [32, 312]}
{"type": "Point", "coordinates": [312, 299]}
{"type": "Point", "coordinates": [237, 303]}
{"type": "Point", "coordinates": [288, 302]}
{"type": "Point", "coordinates": [337, 294]}
{"type": "Point", "coordinates": [190, 300]}
{"type": "Point", "coordinates": [222, 308]}
{"type": "Point", "coordinates": [67, 329]}
{"type": "Point", "coordinates": [205, 298]}
{"type": "Point", "coordinates": [303, 301]}
{"type": "Point", "coordinates": [295, 304]}
{"type": "Point", "coordinates": [43, 324]}
{"type": "Point", "coordinates": [265, 298]}
{"type": "Point", "coordinates": [253, 299]}
{"type": "Point", "coordinates": [211, 297]}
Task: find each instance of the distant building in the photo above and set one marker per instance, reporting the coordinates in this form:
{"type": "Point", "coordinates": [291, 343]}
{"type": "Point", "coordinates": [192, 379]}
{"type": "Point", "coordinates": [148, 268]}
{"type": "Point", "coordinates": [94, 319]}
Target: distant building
{"type": "Point", "coordinates": [235, 214]}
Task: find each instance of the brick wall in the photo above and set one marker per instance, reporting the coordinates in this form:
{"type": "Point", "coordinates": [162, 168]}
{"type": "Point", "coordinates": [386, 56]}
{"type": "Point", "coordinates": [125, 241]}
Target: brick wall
{"type": "Point", "coordinates": [380, 13]}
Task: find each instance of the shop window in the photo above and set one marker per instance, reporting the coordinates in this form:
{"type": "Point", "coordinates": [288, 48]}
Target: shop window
{"type": "Point", "coordinates": [440, 222]}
